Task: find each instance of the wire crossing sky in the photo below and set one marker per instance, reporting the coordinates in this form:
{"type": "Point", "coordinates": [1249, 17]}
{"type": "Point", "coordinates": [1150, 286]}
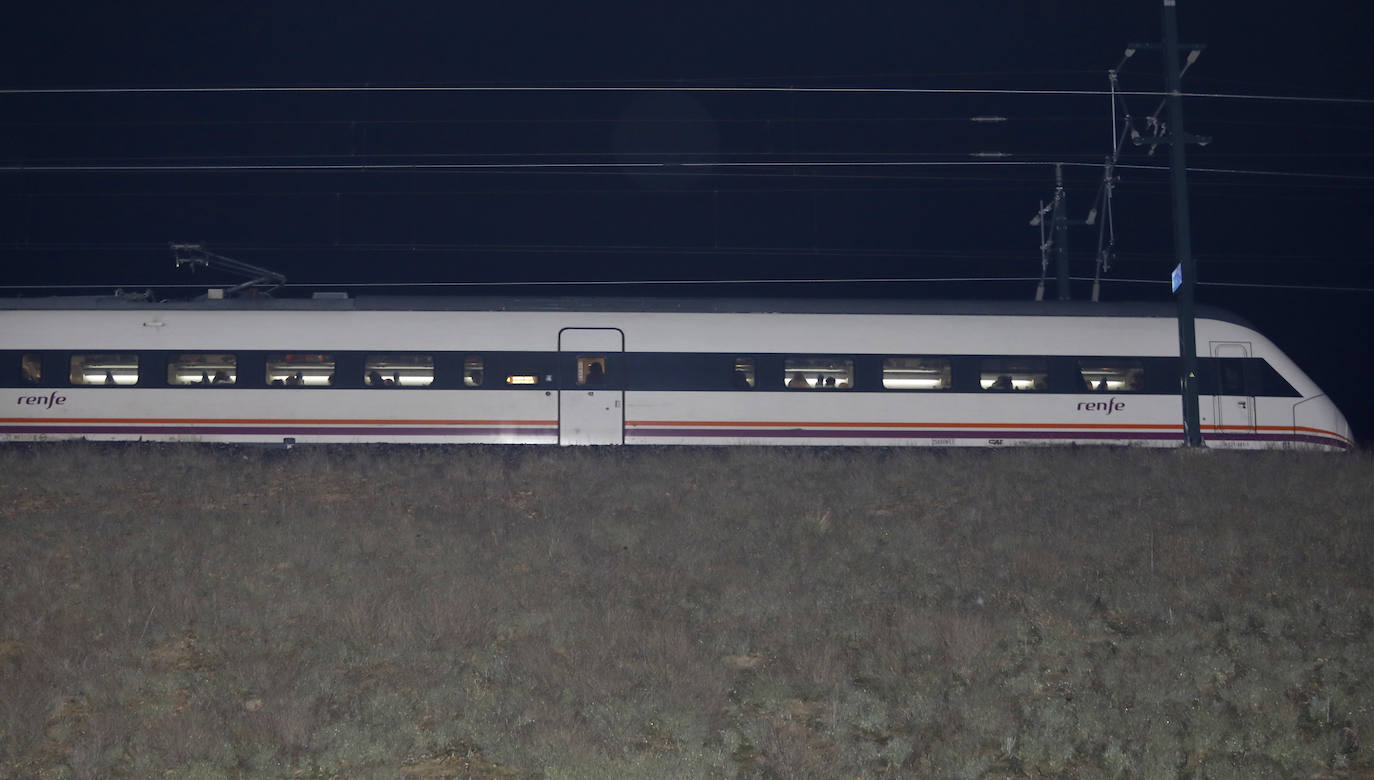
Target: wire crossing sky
{"type": "Point", "coordinates": [670, 89]}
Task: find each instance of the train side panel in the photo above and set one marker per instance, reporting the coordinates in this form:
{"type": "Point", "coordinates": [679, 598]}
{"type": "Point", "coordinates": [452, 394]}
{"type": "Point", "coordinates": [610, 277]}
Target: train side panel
{"type": "Point", "coordinates": [285, 415]}
{"type": "Point", "coordinates": [762, 416]}
{"type": "Point", "coordinates": [878, 419]}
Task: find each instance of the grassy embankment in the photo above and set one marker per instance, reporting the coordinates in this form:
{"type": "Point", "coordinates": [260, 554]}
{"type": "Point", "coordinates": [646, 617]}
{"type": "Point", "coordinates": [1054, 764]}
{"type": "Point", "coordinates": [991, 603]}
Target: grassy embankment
{"type": "Point", "coordinates": [510, 612]}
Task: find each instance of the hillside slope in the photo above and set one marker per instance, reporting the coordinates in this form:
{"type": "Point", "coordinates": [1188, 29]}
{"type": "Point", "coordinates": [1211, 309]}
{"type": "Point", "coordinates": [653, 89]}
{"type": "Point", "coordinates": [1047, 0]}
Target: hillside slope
{"type": "Point", "coordinates": [191, 611]}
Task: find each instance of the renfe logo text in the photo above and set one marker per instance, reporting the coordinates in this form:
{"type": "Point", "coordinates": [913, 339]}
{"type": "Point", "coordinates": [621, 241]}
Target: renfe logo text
{"type": "Point", "coordinates": [45, 401]}
{"type": "Point", "coordinates": [1110, 405]}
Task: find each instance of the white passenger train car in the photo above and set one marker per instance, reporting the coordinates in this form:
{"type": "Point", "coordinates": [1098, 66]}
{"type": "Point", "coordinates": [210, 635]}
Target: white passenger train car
{"type": "Point", "coordinates": [642, 371]}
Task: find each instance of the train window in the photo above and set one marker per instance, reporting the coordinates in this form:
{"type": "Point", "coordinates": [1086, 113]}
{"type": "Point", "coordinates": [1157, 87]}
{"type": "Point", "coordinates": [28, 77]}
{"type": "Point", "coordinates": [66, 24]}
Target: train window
{"type": "Point", "coordinates": [1262, 379]}
{"type": "Point", "coordinates": [744, 373]}
{"type": "Point", "coordinates": [916, 373]}
{"type": "Point", "coordinates": [32, 368]}
{"type": "Point", "coordinates": [591, 370]}
{"type": "Point", "coordinates": [472, 371]}
{"type": "Point", "coordinates": [1019, 374]}
{"type": "Point", "coordinates": [1232, 375]}
{"type": "Point", "coordinates": [105, 368]}
{"type": "Point", "coordinates": [201, 369]}
{"type": "Point", "coordinates": [300, 369]}
{"type": "Point", "coordinates": [399, 370]}
{"type": "Point", "coordinates": [823, 373]}
{"type": "Point", "coordinates": [1115, 375]}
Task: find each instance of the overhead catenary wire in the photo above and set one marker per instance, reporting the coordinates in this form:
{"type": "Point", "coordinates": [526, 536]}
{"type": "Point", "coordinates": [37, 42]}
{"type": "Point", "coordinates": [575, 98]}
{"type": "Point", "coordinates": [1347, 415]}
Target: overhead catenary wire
{"type": "Point", "coordinates": [15, 168]}
{"type": "Point", "coordinates": [378, 159]}
{"type": "Point", "coordinates": [879, 170]}
{"type": "Point", "coordinates": [403, 247]}
{"type": "Point", "coordinates": [677, 283]}
{"type": "Point", "coordinates": [235, 121]}
{"type": "Point", "coordinates": [591, 88]}
{"type": "Point", "coordinates": [866, 183]}
{"type": "Point", "coordinates": [617, 249]}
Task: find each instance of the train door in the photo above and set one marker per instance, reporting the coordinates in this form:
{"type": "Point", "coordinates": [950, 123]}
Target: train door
{"type": "Point", "coordinates": [1235, 409]}
{"type": "Point", "coordinates": [591, 401]}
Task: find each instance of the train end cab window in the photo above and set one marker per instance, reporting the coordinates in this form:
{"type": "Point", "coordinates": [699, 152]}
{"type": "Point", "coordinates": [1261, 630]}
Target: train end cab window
{"type": "Point", "coordinates": [917, 373]}
{"type": "Point", "coordinates": [202, 369]}
{"type": "Point", "coordinates": [824, 373]}
{"type": "Point", "coordinates": [398, 370]}
{"type": "Point", "coordinates": [1014, 375]}
{"type": "Point", "coordinates": [473, 373]}
{"type": "Point", "coordinates": [105, 369]}
{"type": "Point", "coordinates": [1116, 375]}
{"type": "Point", "coordinates": [300, 369]}
{"type": "Point", "coordinates": [745, 375]}
{"type": "Point", "coordinates": [1231, 376]}
{"type": "Point", "coordinates": [31, 368]}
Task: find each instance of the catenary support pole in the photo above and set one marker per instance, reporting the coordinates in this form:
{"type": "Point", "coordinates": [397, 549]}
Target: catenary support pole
{"type": "Point", "coordinates": [1061, 235]}
{"type": "Point", "coordinates": [1183, 248]}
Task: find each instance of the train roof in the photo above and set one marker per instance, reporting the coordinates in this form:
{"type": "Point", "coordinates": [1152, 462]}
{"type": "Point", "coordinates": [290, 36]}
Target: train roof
{"type": "Point", "coordinates": [339, 302]}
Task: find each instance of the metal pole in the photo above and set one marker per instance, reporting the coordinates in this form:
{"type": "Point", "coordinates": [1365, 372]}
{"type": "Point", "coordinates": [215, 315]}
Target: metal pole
{"type": "Point", "coordinates": [1061, 235]}
{"type": "Point", "coordinates": [1187, 335]}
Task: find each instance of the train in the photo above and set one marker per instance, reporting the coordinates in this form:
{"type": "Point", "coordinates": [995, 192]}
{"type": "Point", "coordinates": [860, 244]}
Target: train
{"type": "Point", "coordinates": [339, 368]}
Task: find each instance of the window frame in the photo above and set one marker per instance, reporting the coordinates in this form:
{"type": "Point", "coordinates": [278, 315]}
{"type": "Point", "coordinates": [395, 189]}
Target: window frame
{"type": "Point", "coordinates": [169, 360]}
{"type": "Point", "coordinates": [139, 373]}
{"type": "Point", "coordinates": [1010, 370]}
{"type": "Point", "coordinates": [745, 374]}
{"type": "Point", "coordinates": [23, 375]}
{"type": "Point", "coordinates": [273, 360]}
{"type": "Point", "coordinates": [474, 371]}
{"type": "Point", "coordinates": [1131, 367]}
{"type": "Point", "coordinates": [372, 359]}
{"type": "Point", "coordinates": [795, 366]}
{"type": "Point", "coordinates": [948, 374]}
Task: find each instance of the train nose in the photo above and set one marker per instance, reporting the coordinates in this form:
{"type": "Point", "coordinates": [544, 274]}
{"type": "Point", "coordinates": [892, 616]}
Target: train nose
{"type": "Point", "coordinates": [1342, 427]}
{"type": "Point", "coordinates": [1317, 420]}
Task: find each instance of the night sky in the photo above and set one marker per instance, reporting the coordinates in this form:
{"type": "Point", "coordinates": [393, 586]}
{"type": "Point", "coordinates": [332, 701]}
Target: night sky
{"type": "Point", "coordinates": [507, 186]}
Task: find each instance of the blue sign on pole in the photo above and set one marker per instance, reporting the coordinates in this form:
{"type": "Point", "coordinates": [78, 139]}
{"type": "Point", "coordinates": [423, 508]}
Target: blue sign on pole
{"type": "Point", "coordinates": [1177, 277]}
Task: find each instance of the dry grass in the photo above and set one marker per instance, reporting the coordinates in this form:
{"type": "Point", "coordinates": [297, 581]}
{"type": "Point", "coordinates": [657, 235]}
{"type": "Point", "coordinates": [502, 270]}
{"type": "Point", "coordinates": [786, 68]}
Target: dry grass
{"type": "Point", "coordinates": [186, 611]}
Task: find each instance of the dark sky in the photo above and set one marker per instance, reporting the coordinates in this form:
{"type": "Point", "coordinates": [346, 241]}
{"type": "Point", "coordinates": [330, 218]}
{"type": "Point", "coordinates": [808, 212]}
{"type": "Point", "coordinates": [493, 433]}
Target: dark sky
{"type": "Point", "coordinates": [71, 211]}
